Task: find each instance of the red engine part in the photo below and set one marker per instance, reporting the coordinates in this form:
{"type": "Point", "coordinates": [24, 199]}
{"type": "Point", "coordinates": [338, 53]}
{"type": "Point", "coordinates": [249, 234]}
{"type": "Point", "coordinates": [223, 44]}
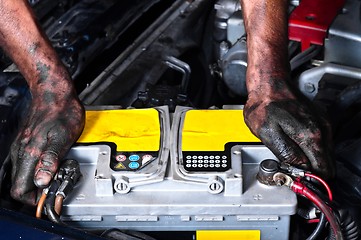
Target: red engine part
{"type": "Point", "coordinates": [310, 21]}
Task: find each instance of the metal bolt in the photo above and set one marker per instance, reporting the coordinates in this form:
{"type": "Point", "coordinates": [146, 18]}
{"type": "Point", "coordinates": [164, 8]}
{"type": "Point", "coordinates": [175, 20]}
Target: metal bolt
{"type": "Point", "coordinates": [214, 187]}
{"type": "Point", "coordinates": [280, 180]}
{"type": "Point", "coordinates": [223, 48]}
{"type": "Point", "coordinates": [310, 88]}
{"type": "Point", "coordinates": [122, 186]}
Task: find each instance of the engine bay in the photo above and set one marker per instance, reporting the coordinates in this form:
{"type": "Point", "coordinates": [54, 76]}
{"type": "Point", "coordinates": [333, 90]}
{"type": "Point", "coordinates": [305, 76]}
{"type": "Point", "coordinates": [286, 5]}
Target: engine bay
{"type": "Point", "coordinates": [169, 68]}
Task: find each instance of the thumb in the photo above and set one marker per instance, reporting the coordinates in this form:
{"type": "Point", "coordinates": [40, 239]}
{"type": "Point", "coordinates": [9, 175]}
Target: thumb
{"type": "Point", "coordinates": [46, 168]}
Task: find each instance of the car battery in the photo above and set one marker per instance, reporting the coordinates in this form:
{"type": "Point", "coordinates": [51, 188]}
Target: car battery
{"type": "Point", "coordinates": [199, 174]}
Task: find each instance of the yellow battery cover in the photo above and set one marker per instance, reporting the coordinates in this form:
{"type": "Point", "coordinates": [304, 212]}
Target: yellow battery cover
{"type": "Point", "coordinates": [210, 130]}
{"type": "Point", "coordinates": [129, 129]}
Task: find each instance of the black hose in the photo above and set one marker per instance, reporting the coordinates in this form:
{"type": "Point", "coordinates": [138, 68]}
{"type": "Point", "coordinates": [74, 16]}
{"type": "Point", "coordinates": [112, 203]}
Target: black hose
{"type": "Point", "coordinates": [322, 223]}
{"type": "Point", "coordinates": [292, 48]}
{"type": "Point", "coordinates": [349, 227]}
{"type": "Point", "coordinates": [52, 215]}
{"type": "Point", "coordinates": [50, 203]}
{"type": "Point", "coordinates": [320, 226]}
{"type": "Point", "coordinates": [314, 186]}
{"type": "Point", "coordinates": [304, 56]}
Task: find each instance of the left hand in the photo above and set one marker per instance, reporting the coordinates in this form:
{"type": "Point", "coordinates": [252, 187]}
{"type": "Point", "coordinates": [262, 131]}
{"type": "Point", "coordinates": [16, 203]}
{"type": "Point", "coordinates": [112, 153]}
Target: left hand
{"type": "Point", "coordinates": [49, 131]}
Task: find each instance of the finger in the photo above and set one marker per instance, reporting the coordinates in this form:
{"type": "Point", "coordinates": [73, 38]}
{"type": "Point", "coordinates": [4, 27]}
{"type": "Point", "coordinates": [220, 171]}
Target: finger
{"type": "Point", "coordinates": [285, 149]}
{"type": "Point", "coordinates": [24, 158]}
{"type": "Point", "coordinates": [309, 139]}
{"type": "Point", "coordinates": [17, 150]}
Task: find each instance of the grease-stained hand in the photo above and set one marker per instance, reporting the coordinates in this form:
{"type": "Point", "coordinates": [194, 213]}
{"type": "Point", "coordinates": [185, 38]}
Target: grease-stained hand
{"type": "Point", "coordinates": [290, 130]}
{"type": "Point", "coordinates": [53, 124]}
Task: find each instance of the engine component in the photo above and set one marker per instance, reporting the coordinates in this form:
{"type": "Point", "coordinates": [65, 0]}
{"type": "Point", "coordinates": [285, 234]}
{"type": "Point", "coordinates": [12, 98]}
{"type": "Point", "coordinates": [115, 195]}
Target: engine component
{"type": "Point", "coordinates": [234, 67]}
{"type": "Point", "coordinates": [182, 67]}
{"type": "Point", "coordinates": [230, 45]}
{"type": "Point", "coordinates": [350, 229]}
{"type": "Point", "coordinates": [219, 189]}
{"type": "Point", "coordinates": [167, 95]}
{"type": "Point", "coordinates": [310, 21]}
{"type": "Point", "coordinates": [308, 24]}
{"type": "Point", "coordinates": [308, 81]}
{"type": "Point", "coordinates": [90, 27]}
{"type": "Point", "coordinates": [228, 23]}
{"type": "Point", "coordinates": [142, 64]}
{"type": "Point", "coordinates": [345, 31]}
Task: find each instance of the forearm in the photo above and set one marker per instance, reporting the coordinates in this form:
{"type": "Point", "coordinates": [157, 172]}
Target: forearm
{"type": "Point", "coordinates": [25, 43]}
{"type": "Point", "coordinates": [267, 41]}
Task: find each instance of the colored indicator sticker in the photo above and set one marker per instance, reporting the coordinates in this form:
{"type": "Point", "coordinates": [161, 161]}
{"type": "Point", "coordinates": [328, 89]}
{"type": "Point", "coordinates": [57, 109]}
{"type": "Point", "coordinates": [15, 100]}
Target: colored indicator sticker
{"type": "Point", "coordinates": [121, 158]}
{"type": "Point", "coordinates": [119, 166]}
{"type": "Point", "coordinates": [133, 165]}
{"type": "Point", "coordinates": [134, 157]}
{"type": "Point", "coordinates": [147, 157]}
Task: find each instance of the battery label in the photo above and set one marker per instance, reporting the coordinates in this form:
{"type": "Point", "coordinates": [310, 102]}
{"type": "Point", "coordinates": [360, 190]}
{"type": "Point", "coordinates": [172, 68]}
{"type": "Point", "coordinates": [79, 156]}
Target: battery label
{"type": "Point", "coordinates": [210, 130]}
{"type": "Point", "coordinates": [132, 161]}
{"type": "Point", "coordinates": [228, 234]}
{"type": "Point", "coordinates": [206, 161]}
{"type": "Point", "coordinates": [129, 129]}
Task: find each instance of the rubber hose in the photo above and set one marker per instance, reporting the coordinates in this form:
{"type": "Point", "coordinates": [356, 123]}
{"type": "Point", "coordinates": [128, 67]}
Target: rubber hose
{"type": "Point", "coordinates": [349, 227]}
{"type": "Point", "coordinates": [304, 57]}
{"type": "Point", "coordinates": [302, 190]}
{"type": "Point", "coordinates": [320, 226]}
{"type": "Point", "coordinates": [50, 203]}
{"type": "Point", "coordinates": [52, 215]}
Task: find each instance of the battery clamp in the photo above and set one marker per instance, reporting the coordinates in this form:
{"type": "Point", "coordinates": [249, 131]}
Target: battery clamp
{"type": "Point", "coordinates": [198, 172]}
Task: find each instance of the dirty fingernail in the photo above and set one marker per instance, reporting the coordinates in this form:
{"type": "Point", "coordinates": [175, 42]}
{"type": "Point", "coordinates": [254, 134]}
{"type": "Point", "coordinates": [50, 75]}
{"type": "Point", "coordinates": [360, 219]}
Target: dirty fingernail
{"type": "Point", "coordinates": [42, 178]}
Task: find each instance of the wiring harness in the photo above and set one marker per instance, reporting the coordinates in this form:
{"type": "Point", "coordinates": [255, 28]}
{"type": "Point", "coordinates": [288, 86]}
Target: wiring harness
{"type": "Point", "coordinates": [301, 182]}
{"type": "Point", "coordinates": [52, 197]}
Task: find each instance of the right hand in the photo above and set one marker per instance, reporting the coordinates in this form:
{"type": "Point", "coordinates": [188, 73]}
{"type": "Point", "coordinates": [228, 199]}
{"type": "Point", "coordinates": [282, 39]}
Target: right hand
{"type": "Point", "coordinates": [290, 130]}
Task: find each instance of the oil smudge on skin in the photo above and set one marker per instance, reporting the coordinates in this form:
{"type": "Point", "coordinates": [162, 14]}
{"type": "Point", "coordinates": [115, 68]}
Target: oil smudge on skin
{"type": "Point", "coordinates": [43, 72]}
